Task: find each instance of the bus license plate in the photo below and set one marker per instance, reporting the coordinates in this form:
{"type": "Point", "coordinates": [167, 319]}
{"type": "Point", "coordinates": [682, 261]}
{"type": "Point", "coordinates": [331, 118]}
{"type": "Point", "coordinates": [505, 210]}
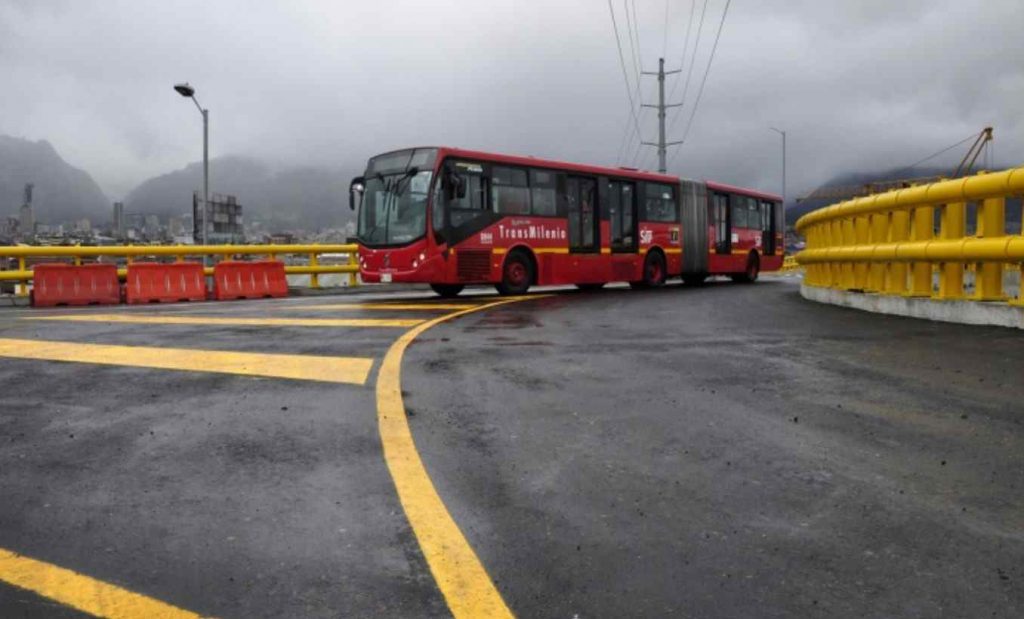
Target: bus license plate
{"type": "Point", "coordinates": [385, 278]}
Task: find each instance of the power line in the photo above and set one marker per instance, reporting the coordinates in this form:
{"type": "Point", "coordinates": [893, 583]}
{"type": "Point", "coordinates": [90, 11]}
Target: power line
{"type": "Point", "coordinates": [686, 47]}
{"type": "Point", "coordinates": [693, 56]}
{"type": "Point", "coordinates": [632, 47]}
{"type": "Point", "coordinates": [625, 75]}
{"type": "Point", "coordinates": [664, 35]}
{"type": "Point", "coordinates": [703, 81]}
{"type": "Point", "coordinates": [634, 30]}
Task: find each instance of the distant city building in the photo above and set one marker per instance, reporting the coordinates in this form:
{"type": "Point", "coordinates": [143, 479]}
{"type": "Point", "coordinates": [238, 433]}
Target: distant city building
{"type": "Point", "coordinates": [224, 224]}
{"type": "Point", "coordinates": [151, 226]}
{"type": "Point", "coordinates": [118, 227]}
{"type": "Point", "coordinates": [175, 227]}
{"type": "Point", "coordinates": [27, 223]}
{"type": "Point", "coordinates": [9, 226]}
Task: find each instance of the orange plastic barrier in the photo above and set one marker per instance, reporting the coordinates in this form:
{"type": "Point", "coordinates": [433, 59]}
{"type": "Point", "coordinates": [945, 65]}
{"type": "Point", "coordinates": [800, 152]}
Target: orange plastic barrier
{"type": "Point", "coordinates": [65, 284]}
{"type": "Point", "coordinates": [155, 282]}
{"type": "Point", "coordinates": [234, 279]}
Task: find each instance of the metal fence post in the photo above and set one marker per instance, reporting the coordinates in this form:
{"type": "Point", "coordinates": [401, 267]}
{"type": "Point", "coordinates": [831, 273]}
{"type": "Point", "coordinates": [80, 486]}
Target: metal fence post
{"type": "Point", "coordinates": [923, 230]}
{"type": "Point", "coordinates": [862, 234]}
{"type": "Point", "coordinates": [988, 283]}
{"type": "Point", "coordinates": [22, 284]}
{"type": "Point", "coordinates": [879, 234]}
{"type": "Point", "coordinates": [896, 276]}
{"type": "Point", "coordinates": [951, 274]}
{"type": "Point", "coordinates": [314, 278]}
{"type": "Point", "coordinates": [846, 268]}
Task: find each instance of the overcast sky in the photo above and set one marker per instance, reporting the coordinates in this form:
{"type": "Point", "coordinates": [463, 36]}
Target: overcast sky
{"type": "Point", "coordinates": [858, 84]}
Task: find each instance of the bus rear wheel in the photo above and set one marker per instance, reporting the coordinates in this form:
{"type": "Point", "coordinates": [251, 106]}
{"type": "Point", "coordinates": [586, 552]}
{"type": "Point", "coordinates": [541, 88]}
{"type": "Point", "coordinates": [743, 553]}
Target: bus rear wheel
{"type": "Point", "coordinates": [516, 274]}
{"type": "Point", "coordinates": [654, 272]}
{"type": "Point", "coordinates": [447, 290]}
{"type": "Point", "coordinates": [750, 275]}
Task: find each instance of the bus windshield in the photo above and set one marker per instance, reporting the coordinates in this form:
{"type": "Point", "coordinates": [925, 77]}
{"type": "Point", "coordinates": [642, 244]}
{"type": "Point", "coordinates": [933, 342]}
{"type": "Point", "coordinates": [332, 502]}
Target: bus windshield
{"type": "Point", "coordinates": [394, 208]}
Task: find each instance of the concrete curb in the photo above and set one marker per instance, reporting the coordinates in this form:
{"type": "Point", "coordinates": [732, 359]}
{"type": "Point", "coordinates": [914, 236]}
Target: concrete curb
{"type": "Point", "coordinates": [963, 312]}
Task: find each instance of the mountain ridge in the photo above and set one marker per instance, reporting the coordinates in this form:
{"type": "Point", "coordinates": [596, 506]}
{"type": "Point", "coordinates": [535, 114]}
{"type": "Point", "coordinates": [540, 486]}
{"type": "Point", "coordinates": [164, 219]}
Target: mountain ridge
{"type": "Point", "coordinates": [61, 192]}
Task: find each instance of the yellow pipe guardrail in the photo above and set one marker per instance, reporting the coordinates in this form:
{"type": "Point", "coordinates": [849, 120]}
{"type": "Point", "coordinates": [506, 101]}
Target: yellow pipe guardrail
{"type": "Point", "coordinates": [789, 263]}
{"type": "Point", "coordinates": [885, 243]}
{"type": "Point", "coordinates": [313, 268]}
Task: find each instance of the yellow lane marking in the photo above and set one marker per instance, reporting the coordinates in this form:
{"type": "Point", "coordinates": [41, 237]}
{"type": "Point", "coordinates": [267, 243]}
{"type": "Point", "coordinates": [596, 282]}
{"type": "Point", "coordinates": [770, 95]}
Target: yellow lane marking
{"type": "Point", "coordinates": [460, 576]}
{"type": "Point", "coordinates": [241, 322]}
{"type": "Point", "coordinates": [353, 370]}
{"type": "Point", "coordinates": [81, 592]}
{"type": "Point", "coordinates": [385, 306]}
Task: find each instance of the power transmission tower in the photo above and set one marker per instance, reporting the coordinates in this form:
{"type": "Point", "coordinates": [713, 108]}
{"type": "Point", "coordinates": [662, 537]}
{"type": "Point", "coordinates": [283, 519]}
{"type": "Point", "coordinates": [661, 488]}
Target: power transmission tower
{"type": "Point", "coordinates": [661, 107]}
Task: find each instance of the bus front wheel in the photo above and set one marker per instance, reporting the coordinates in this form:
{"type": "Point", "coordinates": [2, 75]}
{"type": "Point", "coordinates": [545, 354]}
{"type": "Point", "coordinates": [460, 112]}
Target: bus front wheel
{"type": "Point", "coordinates": [447, 290]}
{"type": "Point", "coordinates": [516, 275]}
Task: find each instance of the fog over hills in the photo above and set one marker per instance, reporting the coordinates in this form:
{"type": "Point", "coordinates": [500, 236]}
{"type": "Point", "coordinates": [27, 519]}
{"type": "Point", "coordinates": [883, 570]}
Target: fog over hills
{"type": "Point", "coordinates": [279, 197]}
{"type": "Point", "coordinates": [62, 192]}
{"type": "Point", "coordinates": [796, 210]}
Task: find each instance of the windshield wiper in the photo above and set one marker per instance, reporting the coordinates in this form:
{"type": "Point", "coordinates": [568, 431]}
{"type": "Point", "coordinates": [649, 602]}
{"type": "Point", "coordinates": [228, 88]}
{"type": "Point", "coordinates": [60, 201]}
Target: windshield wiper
{"type": "Point", "coordinates": [411, 172]}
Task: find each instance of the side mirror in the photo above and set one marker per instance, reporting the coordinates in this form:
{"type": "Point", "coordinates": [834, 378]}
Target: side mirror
{"type": "Point", "coordinates": [356, 188]}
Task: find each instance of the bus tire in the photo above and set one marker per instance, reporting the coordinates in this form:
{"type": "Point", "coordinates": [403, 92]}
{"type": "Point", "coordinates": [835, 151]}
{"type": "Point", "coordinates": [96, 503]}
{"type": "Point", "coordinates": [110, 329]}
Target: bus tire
{"type": "Point", "coordinates": [749, 276]}
{"type": "Point", "coordinates": [447, 290]}
{"type": "Point", "coordinates": [590, 287]}
{"type": "Point", "coordinates": [516, 274]}
{"type": "Point", "coordinates": [654, 271]}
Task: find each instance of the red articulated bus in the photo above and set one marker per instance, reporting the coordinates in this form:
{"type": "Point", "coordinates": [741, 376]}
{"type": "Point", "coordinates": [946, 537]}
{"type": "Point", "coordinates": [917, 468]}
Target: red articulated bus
{"type": "Point", "coordinates": [451, 217]}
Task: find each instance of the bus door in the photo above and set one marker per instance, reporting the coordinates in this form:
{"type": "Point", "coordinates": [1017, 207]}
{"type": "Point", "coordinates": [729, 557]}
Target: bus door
{"type": "Point", "coordinates": [584, 224]}
{"type": "Point", "coordinates": [768, 228]}
{"type": "Point", "coordinates": [720, 220]}
{"type": "Point", "coordinates": [584, 231]}
{"type": "Point", "coordinates": [619, 206]}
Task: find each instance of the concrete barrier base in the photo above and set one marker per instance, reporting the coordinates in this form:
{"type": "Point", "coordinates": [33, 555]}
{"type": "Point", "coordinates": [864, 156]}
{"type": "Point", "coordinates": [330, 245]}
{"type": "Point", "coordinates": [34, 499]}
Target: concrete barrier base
{"type": "Point", "coordinates": [964, 312]}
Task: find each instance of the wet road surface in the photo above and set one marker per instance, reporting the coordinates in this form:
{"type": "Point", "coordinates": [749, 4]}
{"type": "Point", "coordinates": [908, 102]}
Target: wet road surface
{"type": "Point", "coordinates": [724, 451]}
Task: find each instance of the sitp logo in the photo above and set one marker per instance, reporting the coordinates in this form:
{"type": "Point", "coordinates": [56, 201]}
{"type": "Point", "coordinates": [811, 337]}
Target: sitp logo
{"type": "Point", "coordinates": [646, 236]}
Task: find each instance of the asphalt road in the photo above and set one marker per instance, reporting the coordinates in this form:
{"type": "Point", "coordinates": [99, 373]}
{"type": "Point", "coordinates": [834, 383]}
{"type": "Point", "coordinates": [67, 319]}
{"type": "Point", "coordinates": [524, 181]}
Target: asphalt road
{"type": "Point", "coordinates": [726, 451]}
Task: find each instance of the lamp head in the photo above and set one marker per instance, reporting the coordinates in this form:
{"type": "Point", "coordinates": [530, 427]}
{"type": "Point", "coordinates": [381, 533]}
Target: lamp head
{"type": "Point", "coordinates": [185, 90]}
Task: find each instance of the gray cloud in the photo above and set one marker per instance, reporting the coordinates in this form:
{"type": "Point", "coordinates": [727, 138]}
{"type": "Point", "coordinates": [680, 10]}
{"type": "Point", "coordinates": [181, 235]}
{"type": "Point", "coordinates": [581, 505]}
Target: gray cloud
{"type": "Point", "coordinates": [858, 84]}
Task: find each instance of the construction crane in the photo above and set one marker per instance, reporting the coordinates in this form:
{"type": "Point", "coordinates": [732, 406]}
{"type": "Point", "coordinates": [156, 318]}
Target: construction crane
{"type": "Point", "coordinates": [845, 192]}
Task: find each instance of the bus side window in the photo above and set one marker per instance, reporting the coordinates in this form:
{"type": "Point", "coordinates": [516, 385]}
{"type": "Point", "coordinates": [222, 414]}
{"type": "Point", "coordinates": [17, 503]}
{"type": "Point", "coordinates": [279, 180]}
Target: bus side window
{"type": "Point", "coordinates": [739, 211]}
{"type": "Point", "coordinates": [753, 214]}
{"type": "Point", "coordinates": [509, 192]}
{"type": "Point", "coordinates": [543, 193]}
{"type": "Point", "coordinates": [660, 203]}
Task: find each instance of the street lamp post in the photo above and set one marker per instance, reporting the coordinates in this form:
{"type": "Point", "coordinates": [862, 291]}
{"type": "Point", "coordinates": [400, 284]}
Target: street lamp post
{"type": "Point", "coordinates": [187, 91]}
{"type": "Point", "coordinates": [783, 134]}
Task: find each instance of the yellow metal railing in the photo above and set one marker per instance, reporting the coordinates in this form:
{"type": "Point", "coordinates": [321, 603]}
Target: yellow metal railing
{"type": "Point", "coordinates": [789, 263]}
{"type": "Point", "coordinates": [886, 243]}
{"type": "Point", "coordinates": [313, 254]}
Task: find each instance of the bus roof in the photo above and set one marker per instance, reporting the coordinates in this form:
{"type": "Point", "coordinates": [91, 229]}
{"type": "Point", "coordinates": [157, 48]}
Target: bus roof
{"type": "Point", "coordinates": [589, 169]}
{"type": "Point", "coordinates": [561, 165]}
{"type": "Point", "coordinates": [747, 192]}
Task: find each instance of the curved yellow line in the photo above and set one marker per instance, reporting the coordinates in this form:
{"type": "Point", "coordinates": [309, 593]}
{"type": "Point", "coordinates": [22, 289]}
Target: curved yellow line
{"type": "Point", "coordinates": [460, 576]}
{"type": "Point", "coordinates": [80, 592]}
